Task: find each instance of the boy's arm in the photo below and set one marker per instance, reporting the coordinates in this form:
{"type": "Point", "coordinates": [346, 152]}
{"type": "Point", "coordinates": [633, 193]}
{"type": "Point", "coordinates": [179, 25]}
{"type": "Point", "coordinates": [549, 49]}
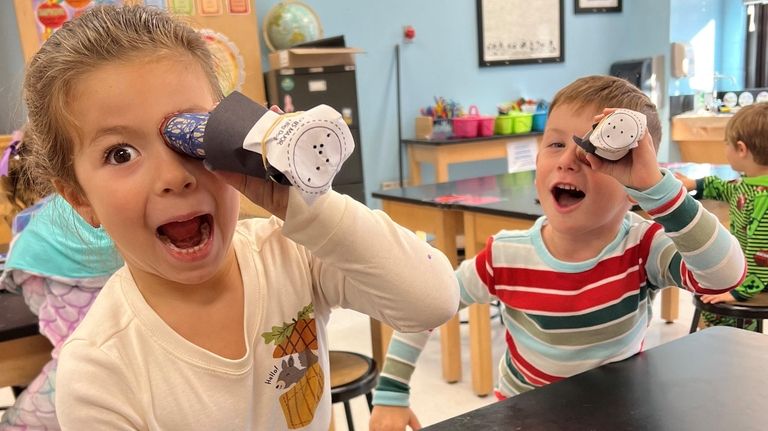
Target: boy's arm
{"type": "Point", "coordinates": [476, 282]}
{"type": "Point", "coordinates": [693, 250]}
{"type": "Point", "coordinates": [712, 187]}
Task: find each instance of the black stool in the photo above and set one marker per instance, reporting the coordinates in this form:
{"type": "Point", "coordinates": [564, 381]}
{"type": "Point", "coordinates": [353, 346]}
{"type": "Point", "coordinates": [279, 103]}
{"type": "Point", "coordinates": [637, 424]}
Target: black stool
{"type": "Point", "coordinates": [755, 308]}
{"type": "Point", "coordinates": [352, 375]}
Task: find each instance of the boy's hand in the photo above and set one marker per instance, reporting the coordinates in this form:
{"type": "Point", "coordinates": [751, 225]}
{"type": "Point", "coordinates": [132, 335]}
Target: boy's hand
{"type": "Point", "coordinates": [269, 195]}
{"type": "Point", "coordinates": [391, 418]}
{"type": "Point", "coordinates": [716, 299]}
{"type": "Point", "coordinates": [638, 170]}
{"type": "Point", "coordinates": [689, 183]}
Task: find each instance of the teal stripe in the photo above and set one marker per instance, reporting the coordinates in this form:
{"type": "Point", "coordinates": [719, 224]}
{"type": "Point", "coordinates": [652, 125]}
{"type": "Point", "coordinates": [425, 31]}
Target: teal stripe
{"type": "Point", "coordinates": [681, 217]}
{"type": "Point", "coordinates": [604, 350]}
{"type": "Point", "coordinates": [391, 385]}
{"type": "Point", "coordinates": [395, 399]}
{"type": "Point", "coordinates": [713, 255]}
{"type": "Point", "coordinates": [610, 313]}
{"type": "Point", "coordinates": [403, 351]}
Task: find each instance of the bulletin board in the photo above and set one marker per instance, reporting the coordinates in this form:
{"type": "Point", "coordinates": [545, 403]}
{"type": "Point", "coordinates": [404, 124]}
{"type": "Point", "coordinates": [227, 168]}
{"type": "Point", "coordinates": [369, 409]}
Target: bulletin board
{"type": "Point", "coordinates": [520, 31]}
{"type": "Point", "coordinates": [229, 26]}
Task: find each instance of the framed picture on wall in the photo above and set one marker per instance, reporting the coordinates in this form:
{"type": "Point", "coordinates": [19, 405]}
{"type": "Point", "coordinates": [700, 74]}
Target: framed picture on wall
{"type": "Point", "coordinates": [597, 6]}
{"type": "Point", "coordinates": [519, 32]}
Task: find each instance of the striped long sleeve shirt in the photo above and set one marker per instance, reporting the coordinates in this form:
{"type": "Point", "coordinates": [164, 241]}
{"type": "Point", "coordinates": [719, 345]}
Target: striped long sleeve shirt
{"type": "Point", "coordinates": [563, 318]}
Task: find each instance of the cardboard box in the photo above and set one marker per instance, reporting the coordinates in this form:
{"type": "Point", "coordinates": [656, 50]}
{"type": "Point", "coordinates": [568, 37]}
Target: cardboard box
{"type": "Point", "coordinates": [312, 57]}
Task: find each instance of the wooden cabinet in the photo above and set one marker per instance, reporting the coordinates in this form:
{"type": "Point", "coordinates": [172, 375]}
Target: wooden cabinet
{"type": "Point", "coordinates": [700, 138]}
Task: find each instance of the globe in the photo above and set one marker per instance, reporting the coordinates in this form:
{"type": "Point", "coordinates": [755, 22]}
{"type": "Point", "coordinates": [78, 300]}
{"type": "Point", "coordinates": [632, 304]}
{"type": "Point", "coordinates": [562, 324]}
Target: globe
{"type": "Point", "coordinates": [289, 23]}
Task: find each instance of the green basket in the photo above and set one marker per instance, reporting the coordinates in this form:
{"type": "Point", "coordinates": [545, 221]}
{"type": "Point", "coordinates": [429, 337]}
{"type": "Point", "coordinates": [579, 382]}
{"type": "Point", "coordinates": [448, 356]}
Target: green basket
{"type": "Point", "coordinates": [521, 122]}
{"type": "Point", "coordinates": [503, 125]}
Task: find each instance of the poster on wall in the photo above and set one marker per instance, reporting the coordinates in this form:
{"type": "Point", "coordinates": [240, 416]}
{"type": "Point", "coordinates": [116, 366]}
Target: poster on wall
{"type": "Point", "coordinates": [520, 31]}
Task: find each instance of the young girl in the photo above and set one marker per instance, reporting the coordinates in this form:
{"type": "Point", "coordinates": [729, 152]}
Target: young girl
{"type": "Point", "coordinates": [212, 324]}
{"type": "Point", "coordinates": [58, 269]}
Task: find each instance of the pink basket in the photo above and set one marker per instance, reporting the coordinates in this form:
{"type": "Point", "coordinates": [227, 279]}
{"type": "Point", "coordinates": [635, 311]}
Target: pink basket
{"type": "Point", "coordinates": [473, 124]}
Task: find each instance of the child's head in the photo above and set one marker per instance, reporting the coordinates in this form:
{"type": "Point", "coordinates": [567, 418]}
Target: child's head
{"type": "Point", "coordinates": [573, 196]}
{"type": "Point", "coordinates": [97, 92]}
{"type": "Point", "coordinates": [103, 35]}
{"type": "Point", "coordinates": [750, 127]}
{"type": "Point", "coordinates": [599, 91]}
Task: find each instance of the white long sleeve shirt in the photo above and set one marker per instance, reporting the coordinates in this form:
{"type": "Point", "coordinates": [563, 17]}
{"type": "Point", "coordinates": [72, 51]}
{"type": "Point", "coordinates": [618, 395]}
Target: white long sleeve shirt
{"type": "Point", "coordinates": [125, 368]}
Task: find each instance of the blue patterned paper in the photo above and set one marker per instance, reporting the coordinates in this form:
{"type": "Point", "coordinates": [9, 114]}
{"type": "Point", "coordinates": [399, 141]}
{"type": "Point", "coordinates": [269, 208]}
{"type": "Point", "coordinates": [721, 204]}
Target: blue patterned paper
{"type": "Point", "coordinates": [184, 133]}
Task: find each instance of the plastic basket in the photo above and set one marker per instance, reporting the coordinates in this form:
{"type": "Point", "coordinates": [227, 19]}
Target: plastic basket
{"type": "Point", "coordinates": [521, 122]}
{"type": "Point", "coordinates": [486, 126]}
{"type": "Point", "coordinates": [465, 127]}
{"type": "Point", "coordinates": [503, 125]}
{"type": "Point", "coordinates": [539, 121]}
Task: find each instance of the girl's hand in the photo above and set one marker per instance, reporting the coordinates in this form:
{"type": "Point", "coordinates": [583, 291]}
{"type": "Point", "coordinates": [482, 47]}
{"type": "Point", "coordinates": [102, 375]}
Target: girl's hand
{"type": "Point", "coordinates": [638, 170]}
{"type": "Point", "coordinates": [391, 418]}
{"type": "Point", "coordinates": [269, 195]}
{"type": "Point", "coordinates": [716, 299]}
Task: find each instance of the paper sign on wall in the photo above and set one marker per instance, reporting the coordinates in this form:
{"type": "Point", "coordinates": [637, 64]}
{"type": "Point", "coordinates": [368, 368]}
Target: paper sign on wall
{"type": "Point", "coordinates": [521, 155]}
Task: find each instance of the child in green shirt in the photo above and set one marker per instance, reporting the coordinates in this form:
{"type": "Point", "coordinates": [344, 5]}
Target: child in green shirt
{"type": "Point", "coordinates": [746, 149]}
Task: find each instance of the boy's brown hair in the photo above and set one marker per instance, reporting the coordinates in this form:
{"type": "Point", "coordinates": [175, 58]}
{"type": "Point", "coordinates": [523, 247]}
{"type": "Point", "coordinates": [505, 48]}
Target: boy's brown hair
{"type": "Point", "coordinates": [603, 91]}
{"type": "Point", "coordinates": [750, 126]}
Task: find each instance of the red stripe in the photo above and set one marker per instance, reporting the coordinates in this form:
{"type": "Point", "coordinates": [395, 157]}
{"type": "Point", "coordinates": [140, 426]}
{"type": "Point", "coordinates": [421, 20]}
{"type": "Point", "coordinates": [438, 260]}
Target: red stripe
{"type": "Point", "coordinates": [568, 281]}
{"type": "Point", "coordinates": [534, 376]}
{"type": "Point", "coordinates": [570, 304]}
{"type": "Point", "coordinates": [665, 207]}
{"type": "Point", "coordinates": [690, 282]}
{"type": "Point", "coordinates": [483, 266]}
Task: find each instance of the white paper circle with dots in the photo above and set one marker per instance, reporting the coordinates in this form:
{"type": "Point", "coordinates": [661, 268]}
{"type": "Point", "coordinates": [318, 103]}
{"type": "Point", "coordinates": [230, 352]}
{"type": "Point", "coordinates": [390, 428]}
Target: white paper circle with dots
{"type": "Point", "coordinates": [308, 147]}
{"type": "Point", "coordinates": [617, 133]}
{"type": "Point", "coordinates": [230, 66]}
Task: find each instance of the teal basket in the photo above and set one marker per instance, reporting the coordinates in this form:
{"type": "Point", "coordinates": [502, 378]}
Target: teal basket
{"type": "Point", "coordinates": [539, 121]}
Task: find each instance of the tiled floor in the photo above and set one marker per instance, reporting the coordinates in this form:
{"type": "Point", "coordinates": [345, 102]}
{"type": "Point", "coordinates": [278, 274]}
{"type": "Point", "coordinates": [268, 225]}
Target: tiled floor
{"type": "Point", "coordinates": [434, 400]}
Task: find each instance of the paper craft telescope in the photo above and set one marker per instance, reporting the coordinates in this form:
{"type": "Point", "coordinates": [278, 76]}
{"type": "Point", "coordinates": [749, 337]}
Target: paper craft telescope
{"type": "Point", "coordinates": [302, 149]}
{"type": "Point", "coordinates": [616, 134]}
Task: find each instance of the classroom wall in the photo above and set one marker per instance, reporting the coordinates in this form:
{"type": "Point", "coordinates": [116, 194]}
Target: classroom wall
{"type": "Point", "coordinates": [708, 24]}
{"type": "Point", "coordinates": [11, 70]}
{"type": "Point", "coordinates": [443, 61]}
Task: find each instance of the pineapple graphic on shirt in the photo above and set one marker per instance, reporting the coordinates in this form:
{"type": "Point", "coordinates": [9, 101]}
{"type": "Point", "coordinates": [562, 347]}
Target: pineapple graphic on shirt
{"type": "Point", "coordinates": [300, 375]}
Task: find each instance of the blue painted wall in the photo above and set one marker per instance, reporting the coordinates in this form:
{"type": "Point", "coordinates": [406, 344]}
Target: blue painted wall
{"type": "Point", "coordinates": [443, 60]}
{"type": "Point", "coordinates": [716, 29]}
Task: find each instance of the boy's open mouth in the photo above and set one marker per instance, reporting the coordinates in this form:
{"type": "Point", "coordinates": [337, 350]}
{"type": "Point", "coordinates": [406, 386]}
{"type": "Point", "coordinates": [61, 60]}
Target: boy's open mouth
{"type": "Point", "coordinates": [187, 236]}
{"type": "Point", "coordinates": [567, 195]}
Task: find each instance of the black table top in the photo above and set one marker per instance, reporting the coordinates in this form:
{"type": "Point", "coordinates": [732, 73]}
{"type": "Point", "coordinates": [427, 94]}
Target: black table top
{"type": "Point", "coordinates": [711, 380]}
{"type": "Point", "coordinates": [453, 141]}
{"type": "Point", "coordinates": [16, 320]}
{"type": "Point", "coordinates": [509, 195]}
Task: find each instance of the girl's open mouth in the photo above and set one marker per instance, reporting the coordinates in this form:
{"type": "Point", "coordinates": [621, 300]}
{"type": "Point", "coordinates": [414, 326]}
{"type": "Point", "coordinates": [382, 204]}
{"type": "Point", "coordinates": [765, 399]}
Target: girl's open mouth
{"type": "Point", "coordinates": [187, 237]}
{"type": "Point", "coordinates": [567, 195]}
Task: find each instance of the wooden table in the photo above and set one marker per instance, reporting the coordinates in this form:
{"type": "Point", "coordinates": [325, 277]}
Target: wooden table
{"type": "Point", "coordinates": [480, 208]}
{"type": "Point", "coordinates": [23, 351]}
{"type": "Point", "coordinates": [443, 152]}
{"type": "Point", "coordinates": [713, 379]}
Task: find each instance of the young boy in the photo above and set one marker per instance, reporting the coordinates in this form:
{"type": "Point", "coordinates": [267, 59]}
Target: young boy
{"type": "Point", "coordinates": [746, 149]}
{"type": "Point", "coordinates": [575, 287]}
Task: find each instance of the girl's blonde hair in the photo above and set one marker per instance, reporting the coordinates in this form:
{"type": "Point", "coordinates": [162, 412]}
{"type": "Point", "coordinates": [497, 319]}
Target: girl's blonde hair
{"type": "Point", "coordinates": [18, 190]}
{"type": "Point", "coordinates": [102, 35]}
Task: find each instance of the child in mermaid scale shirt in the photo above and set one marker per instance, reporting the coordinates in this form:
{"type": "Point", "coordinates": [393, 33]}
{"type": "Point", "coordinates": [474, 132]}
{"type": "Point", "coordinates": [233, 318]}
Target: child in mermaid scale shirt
{"type": "Point", "coordinates": [59, 263]}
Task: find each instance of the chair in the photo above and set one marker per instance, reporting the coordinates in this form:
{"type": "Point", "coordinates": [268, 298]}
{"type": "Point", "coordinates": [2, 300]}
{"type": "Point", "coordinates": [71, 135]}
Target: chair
{"type": "Point", "coordinates": [755, 308]}
{"type": "Point", "coordinates": [352, 375]}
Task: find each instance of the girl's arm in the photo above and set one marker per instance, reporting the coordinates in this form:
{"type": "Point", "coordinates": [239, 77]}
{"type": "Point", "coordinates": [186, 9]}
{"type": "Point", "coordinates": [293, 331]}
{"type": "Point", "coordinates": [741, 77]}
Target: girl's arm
{"type": "Point", "coordinates": [361, 259]}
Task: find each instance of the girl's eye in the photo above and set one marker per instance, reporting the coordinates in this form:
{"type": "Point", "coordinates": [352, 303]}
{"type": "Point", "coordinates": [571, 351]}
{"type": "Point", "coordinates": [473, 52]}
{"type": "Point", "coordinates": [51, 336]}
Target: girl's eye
{"type": "Point", "coordinates": [122, 153]}
{"type": "Point", "coordinates": [556, 145]}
